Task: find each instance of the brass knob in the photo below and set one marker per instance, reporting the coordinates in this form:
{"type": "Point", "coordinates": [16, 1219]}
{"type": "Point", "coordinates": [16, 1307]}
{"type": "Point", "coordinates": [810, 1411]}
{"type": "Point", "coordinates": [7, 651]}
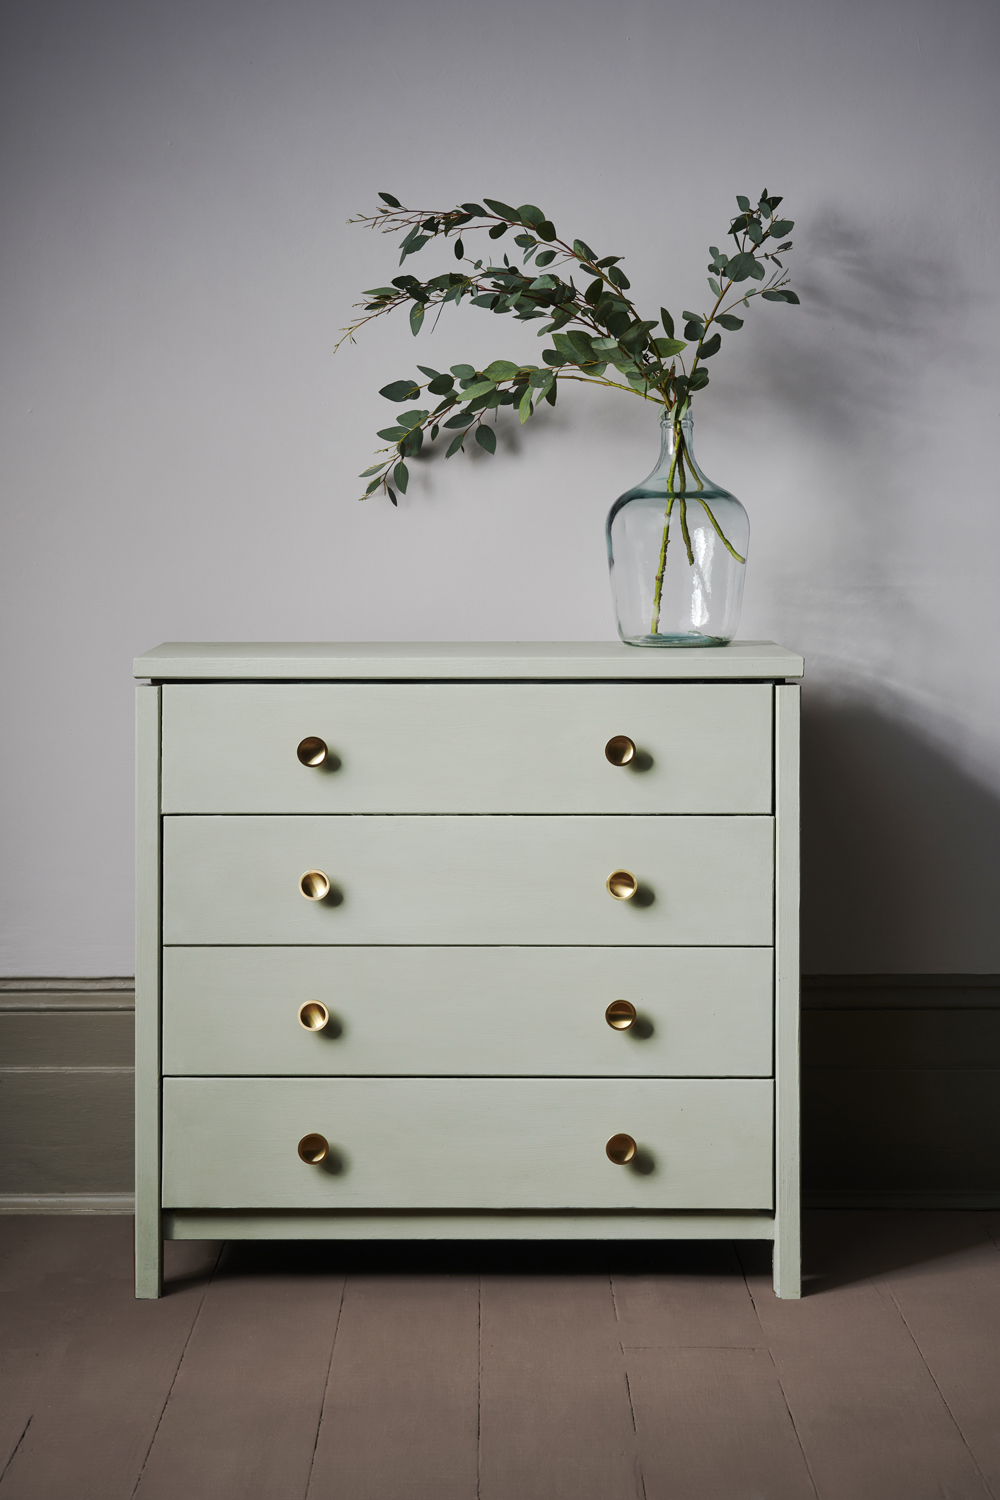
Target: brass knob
{"type": "Point", "coordinates": [316, 1148]}
{"type": "Point", "coordinates": [620, 1014]}
{"type": "Point", "coordinates": [315, 886]}
{"type": "Point", "coordinates": [619, 750]}
{"type": "Point", "coordinates": [620, 1148]}
{"type": "Point", "coordinates": [313, 1015]}
{"type": "Point", "coordinates": [312, 751]}
{"type": "Point", "coordinates": [621, 883]}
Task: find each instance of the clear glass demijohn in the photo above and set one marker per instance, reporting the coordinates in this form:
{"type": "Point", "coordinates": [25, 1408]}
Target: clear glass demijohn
{"type": "Point", "coordinates": [677, 547]}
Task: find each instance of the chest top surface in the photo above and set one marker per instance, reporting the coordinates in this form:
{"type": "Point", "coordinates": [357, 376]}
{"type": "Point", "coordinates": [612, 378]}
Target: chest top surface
{"type": "Point", "coordinates": [339, 661]}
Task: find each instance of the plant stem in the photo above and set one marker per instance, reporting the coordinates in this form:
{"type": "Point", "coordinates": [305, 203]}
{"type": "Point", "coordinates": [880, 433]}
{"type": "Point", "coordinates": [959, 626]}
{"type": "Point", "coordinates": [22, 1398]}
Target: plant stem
{"type": "Point", "coordinates": [654, 628]}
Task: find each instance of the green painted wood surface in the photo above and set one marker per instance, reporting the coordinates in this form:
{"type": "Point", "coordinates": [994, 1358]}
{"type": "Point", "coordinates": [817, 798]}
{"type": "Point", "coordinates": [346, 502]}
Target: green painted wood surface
{"type": "Point", "coordinates": [468, 1010]}
{"type": "Point", "coordinates": [235, 880]}
{"type": "Point", "coordinates": [148, 1240]}
{"type": "Point", "coordinates": [787, 1169]}
{"type": "Point", "coordinates": [467, 748]}
{"type": "Point", "coordinates": [467, 1143]}
{"type": "Point", "coordinates": [547, 661]}
{"type": "Point", "coordinates": [512, 1224]}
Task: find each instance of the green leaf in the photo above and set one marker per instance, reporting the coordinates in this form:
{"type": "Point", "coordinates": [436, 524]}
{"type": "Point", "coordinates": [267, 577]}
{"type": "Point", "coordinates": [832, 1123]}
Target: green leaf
{"type": "Point", "coordinates": [546, 230]}
{"type": "Point", "coordinates": [391, 493]}
{"type": "Point", "coordinates": [501, 369]}
{"type": "Point", "coordinates": [666, 348]}
{"type": "Point", "coordinates": [582, 251]}
{"type": "Point", "coordinates": [619, 278]}
{"type": "Point", "coordinates": [416, 317]}
{"type": "Point", "coordinates": [373, 486]}
{"type": "Point", "coordinates": [412, 443]}
{"type": "Point", "coordinates": [755, 232]}
{"type": "Point", "coordinates": [698, 381]}
{"type": "Point", "coordinates": [524, 409]}
{"type": "Point", "coordinates": [382, 291]}
{"type": "Point", "coordinates": [410, 419]}
{"type": "Point", "coordinates": [550, 395]}
{"type": "Point", "coordinates": [413, 246]}
{"type": "Point", "coordinates": [462, 372]}
{"type": "Point", "coordinates": [503, 209]}
{"type": "Point", "coordinates": [791, 297]}
{"type": "Point", "coordinates": [459, 249]}
{"type": "Point", "coordinates": [529, 214]}
{"type": "Point", "coordinates": [434, 431]}
{"type": "Point", "coordinates": [401, 390]}
{"type": "Point", "coordinates": [781, 227]}
{"type": "Point", "coordinates": [460, 420]}
{"type": "Point", "coordinates": [441, 385]}
{"type": "Point", "coordinates": [388, 198]}
{"type": "Point", "coordinates": [716, 289]}
{"type": "Point", "coordinates": [426, 370]}
{"type": "Point", "coordinates": [744, 203]}
{"type": "Point", "coordinates": [770, 295]}
{"type": "Point", "coordinates": [545, 257]}
{"type": "Point", "coordinates": [710, 346]}
{"type": "Point", "coordinates": [473, 208]}
{"type": "Point", "coordinates": [497, 230]}
{"type": "Point", "coordinates": [375, 469]}
{"type": "Point", "coordinates": [401, 477]}
{"type": "Point", "coordinates": [393, 434]}
{"type": "Point", "coordinates": [668, 322]}
{"type": "Point", "coordinates": [728, 321]}
{"type": "Point", "coordinates": [552, 358]}
{"type": "Point", "coordinates": [481, 388]}
{"type": "Point", "coordinates": [757, 271]}
{"type": "Point", "coordinates": [694, 329]}
{"type": "Point", "coordinates": [486, 438]}
{"type": "Point", "coordinates": [741, 266]}
{"type": "Point", "coordinates": [455, 443]}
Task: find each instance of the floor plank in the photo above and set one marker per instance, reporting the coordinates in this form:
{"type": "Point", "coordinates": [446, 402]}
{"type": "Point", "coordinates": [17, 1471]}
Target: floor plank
{"type": "Point", "coordinates": [867, 1412]}
{"type": "Point", "coordinates": [950, 1301]}
{"type": "Point", "coordinates": [401, 1416]}
{"type": "Point", "coordinates": [688, 1295]}
{"type": "Point", "coordinates": [713, 1423]}
{"type": "Point", "coordinates": [556, 1417]}
{"type": "Point", "coordinates": [81, 1357]}
{"type": "Point", "coordinates": [243, 1413]}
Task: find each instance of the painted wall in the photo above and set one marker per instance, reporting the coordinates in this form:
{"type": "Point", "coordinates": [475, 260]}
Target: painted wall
{"type": "Point", "coordinates": [180, 442]}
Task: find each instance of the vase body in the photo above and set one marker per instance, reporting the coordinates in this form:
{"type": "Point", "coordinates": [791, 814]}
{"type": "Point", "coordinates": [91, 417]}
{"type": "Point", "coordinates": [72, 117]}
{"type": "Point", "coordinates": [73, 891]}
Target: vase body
{"type": "Point", "coordinates": [677, 547]}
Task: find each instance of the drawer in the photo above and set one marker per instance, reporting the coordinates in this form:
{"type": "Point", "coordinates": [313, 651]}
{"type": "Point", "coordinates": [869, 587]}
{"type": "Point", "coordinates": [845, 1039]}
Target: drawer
{"type": "Point", "coordinates": [468, 1010]}
{"type": "Point", "coordinates": [467, 1143]}
{"type": "Point", "coordinates": [464, 880]}
{"type": "Point", "coordinates": [467, 747]}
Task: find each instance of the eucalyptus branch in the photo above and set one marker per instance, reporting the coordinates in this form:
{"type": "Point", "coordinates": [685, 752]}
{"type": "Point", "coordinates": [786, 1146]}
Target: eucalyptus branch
{"type": "Point", "coordinates": [602, 325]}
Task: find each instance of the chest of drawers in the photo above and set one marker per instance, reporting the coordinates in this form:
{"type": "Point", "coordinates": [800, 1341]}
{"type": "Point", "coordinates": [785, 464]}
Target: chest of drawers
{"type": "Point", "coordinates": [467, 942]}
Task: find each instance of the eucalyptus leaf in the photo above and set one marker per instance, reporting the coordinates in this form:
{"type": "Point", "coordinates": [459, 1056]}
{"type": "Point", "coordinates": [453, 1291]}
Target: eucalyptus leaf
{"type": "Point", "coordinates": [455, 443]}
{"type": "Point", "coordinates": [410, 419]}
{"type": "Point", "coordinates": [757, 271]}
{"type": "Point", "coordinates": [401, 477]}
{"type": "Point", "coordinates": [416, 317]}
{"type": "Point", "coordinates": [375, 469]}
{"type": "Point", "coordinates": [524, 409]}
{"type": "Point", "coordinates": [716, 289]}
{"type": "Point", "coordinates": [400, 390]}
{"type": "Point", "coordinates": [461, 420]}
{"type": "Point", "coordinates": [503, 209]}
{"type": "Point", "coordinates": [481, 388]}
{"type": "Point", "coordinates": [501, 369]}
{"type": "Point", "coordinates": [582, 251]}
{"type": "Point", "coordinates": [393, 434]}
{"type": "Point", "coordinates": [373, 486]}
{"type": "Point", "coordinates": [546, 230]}
{"type": "Point", "coordinates": [545, 257]}
{"type": "Point", "coordinates": [486, 438]}
{"type": "Point", "coordinates": [668, 322]}
{"type": "Point", "coordinates": [474, 209]}
{"type": "Point", "coordinates": [497, 230]}
{"type": "Point", "coordinates": [440, 385]}
{"type": "Point", "coordinates": [462, 372]}
{"type": "Point", "coordinates": [710, 346]}
{"type": "Point", "coordinates": [744, 203]}
{"type": "Point", "coordinates": [529, 214]}
{"type": "Point", "coordinates": [392, 202]}
{"type": "Point", "coordinates": [391, 493]}
{"type": "Point", "coordinates": [729, 322]}
{"type": "Point", "coordinates": [666, 348]}
{"type": "Point", "coordinates": [781, 227]}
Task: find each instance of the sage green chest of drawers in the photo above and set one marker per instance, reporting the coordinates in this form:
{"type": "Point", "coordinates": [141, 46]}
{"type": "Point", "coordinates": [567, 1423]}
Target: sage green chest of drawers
{"type": "Point", "coordinates": [457, 942]}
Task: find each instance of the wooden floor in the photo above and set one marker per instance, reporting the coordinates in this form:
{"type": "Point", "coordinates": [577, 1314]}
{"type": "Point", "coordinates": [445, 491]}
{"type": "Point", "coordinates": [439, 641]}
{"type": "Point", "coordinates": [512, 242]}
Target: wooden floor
{"type": "Point", "coordinates": [503, 1372]}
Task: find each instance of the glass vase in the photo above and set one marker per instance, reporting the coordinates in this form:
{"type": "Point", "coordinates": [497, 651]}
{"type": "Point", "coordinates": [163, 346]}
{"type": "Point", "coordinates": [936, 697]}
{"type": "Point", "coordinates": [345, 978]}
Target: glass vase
{"type": "Point", "coordinates": [677, 548]}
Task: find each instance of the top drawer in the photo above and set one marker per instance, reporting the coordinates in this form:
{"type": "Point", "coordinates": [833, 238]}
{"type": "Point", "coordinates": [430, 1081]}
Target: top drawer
{"type": "Point", "coordinates": [467, 748]}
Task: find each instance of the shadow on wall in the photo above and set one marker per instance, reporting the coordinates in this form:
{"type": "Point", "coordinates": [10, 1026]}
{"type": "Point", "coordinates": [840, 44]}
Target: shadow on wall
{"type": "Point", "coordinates": [901, 850]}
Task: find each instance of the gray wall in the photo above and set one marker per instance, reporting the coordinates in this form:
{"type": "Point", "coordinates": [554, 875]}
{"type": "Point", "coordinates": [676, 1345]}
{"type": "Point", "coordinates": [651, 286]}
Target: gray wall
{"type": "Point", "coordinates": [180, 444]}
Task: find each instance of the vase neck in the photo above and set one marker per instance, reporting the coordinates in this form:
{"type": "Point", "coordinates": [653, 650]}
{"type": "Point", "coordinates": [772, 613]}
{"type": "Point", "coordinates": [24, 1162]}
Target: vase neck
{"type": "Point", "coordinates": [677, 451]}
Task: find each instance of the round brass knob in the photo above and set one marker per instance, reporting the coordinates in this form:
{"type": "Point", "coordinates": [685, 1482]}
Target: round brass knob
{"type": "Point", "coordinates": [312, 751]}
{"type": "Point", "coordinates": [620, 1149]}
{"type": "Point", "coordinates": [315, 886]}
{"type": "Point", "coordinates": [620, 1014]}
{"type": "Point", "coordinates": [621, 883]}
{"type": "Point", "coordinates": [313, 1015]}
{"type": "Point", "coordinates": [316, 1148]}
{"type": "Point", "coordinates": [619, 750]}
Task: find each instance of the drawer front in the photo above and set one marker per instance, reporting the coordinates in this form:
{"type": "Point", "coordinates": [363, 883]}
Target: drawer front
{"type": "Point", "coordinates": [235, 880]}
{"type": "Point", "coordinates": [468, 1011]}
{"type": "Point", "coordinates": [467, 1143]}
{"type": "Point", "coordinates": [467, 748]}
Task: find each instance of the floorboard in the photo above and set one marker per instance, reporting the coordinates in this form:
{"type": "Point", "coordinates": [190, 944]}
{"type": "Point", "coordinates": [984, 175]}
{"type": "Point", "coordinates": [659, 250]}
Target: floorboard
{"type": "Point", "coordinates": [401, 1416]}
{"type": "Point", "coordinates": [244, 1410]}
{"type": "Point", "coordinates": [867, 1412]}
{"type": "Point", "coordinates": [556, 1415]}
{"type": "Point", "coordinates": [88, 1364]}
